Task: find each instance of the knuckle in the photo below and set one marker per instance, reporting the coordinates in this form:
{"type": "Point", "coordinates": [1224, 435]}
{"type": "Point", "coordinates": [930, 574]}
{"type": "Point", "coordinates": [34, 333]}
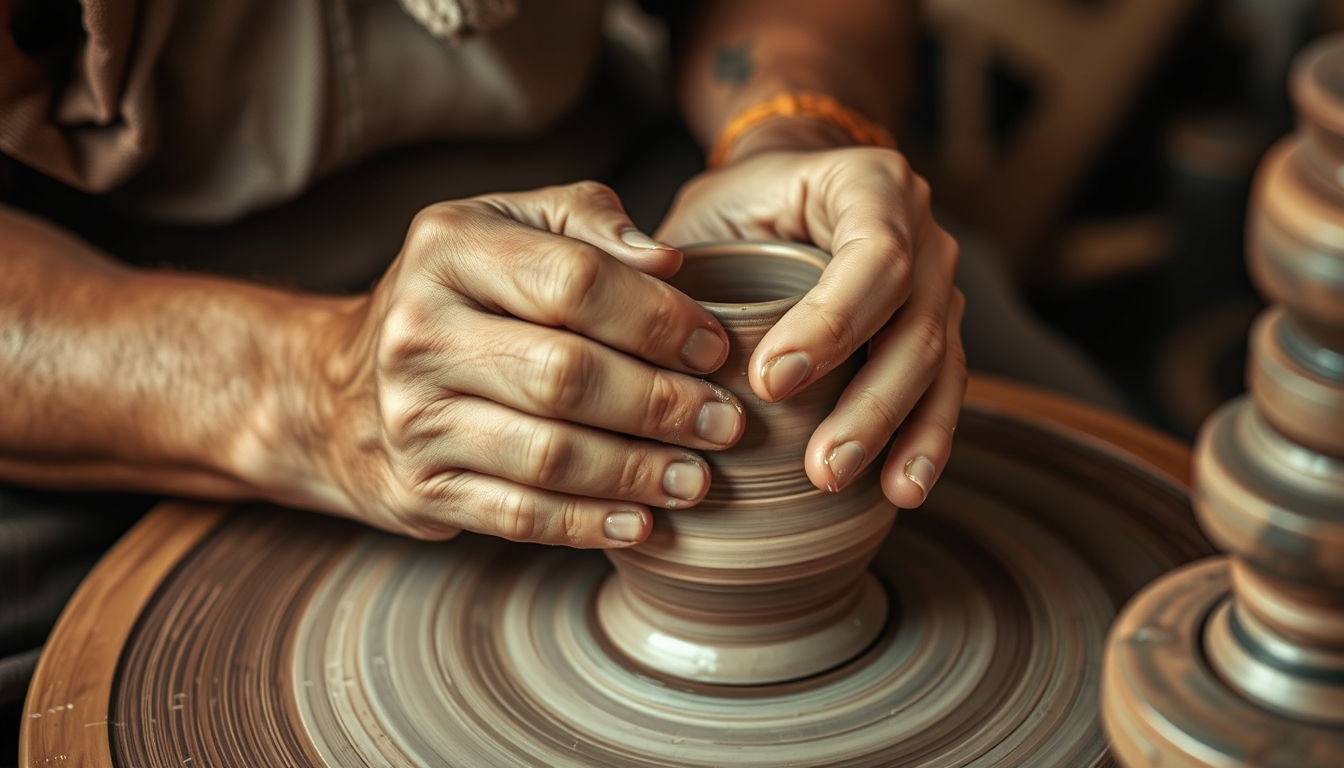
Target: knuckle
{"type": "Point", "coordinates": [546, 456]}
{"type": "Point", "coordinates": [429, 219]}
{"type": "Point", "coordinates": [943, 423]}
{"type": "Point", "coordinates": [920, 190]}
{"type": "Point", "coordinates": [433, 225]}
{"type": "Point", "coordinates": [568, 276]}
{"type": "Point", "coordinates": [879, 410]}
{"type": "Point", "coordinates": [690, 190]}
{"type": "Point", "coordinates": [402, 410]}
{"type": "Point", "coordinates": [401, 499]}
{"type": "Point", "coordinates": [409, 487]}
{"type": "Point", "coordinates": [636, 476]}
{"type": "Point", "coordinates": [890, 246]}
{"type": "Point", "coordinates": [958, 304]}
{"type": "Point", "coordinates": [928, 340]}
{"type": "Point", "coordinates": [662, 407]}
{"type": "Point", "coordinates": [571, 516]}
{"type": "Point", "coordinates": [517, 515]}
{"type": "Point", "coordinates": [956, 358]}
{"type": "Point", "coordinates": [896, 163]}
{"type": "Point", "coordinates": [592, 191]}
{"type": "Point", "coordinates": [948, 243]}
{"type": "Point", "coordinates": [401, 335]}
{"type": "Point", "coordinates": [560, 379]}
{"type": "Point", "coordinates": [837, 329]}
{"type": "Point", "coordinates": [896, 253]}
{"type": "Point", "coordinates": [664, 321]}
{"type": "Point", "coordinates": [424, 510]}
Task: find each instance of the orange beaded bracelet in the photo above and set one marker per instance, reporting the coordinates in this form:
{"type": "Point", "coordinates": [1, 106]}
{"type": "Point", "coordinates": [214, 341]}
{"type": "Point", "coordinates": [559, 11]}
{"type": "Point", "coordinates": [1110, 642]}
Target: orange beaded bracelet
{"type": "Point", "coordinates": [802, 104]}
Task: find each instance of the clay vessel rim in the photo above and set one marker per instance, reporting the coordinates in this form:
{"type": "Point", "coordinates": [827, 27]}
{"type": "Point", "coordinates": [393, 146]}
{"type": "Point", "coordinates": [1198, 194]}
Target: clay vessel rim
{"type": "Point", "coordinates": [751, 310]}
{"type": "Point", "coordinates": [1317, 84]}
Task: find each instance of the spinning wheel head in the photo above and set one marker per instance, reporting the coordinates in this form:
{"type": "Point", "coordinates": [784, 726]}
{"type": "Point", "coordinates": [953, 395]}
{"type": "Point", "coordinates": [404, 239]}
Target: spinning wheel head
{"type": "Point", "coordinates": [278, 638]}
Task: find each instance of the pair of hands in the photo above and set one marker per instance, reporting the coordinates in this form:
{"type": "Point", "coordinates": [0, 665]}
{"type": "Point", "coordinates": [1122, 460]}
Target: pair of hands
{"type": "Point", "coordinates": [521, 370]}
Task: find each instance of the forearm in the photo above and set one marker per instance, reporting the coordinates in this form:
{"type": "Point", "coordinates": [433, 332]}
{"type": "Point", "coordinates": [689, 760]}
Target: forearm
{"type": "Point", "coordinates": [120, 378]}
{"type": "Point", "coordinates": [740, 53]}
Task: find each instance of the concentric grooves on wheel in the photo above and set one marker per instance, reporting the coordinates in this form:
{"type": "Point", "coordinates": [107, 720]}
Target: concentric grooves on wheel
{"type": "Point", "coordinates": [1003, 586]}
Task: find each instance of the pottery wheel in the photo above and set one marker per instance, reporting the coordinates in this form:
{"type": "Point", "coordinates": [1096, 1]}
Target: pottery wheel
{"type": "Point", "coordinates": [289, 639]}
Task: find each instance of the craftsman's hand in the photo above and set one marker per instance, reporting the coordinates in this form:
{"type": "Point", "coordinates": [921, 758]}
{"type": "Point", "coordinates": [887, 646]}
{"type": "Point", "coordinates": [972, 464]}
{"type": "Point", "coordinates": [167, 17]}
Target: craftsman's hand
{"type": "Point", "coordinates": [519, 372]}
{"type": "Point", "coordinates": [890, 282]}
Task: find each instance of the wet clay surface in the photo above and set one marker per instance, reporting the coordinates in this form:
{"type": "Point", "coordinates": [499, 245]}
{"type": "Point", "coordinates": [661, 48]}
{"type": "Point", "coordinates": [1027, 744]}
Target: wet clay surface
{"type": "Point", "coordinates": [766, 580]}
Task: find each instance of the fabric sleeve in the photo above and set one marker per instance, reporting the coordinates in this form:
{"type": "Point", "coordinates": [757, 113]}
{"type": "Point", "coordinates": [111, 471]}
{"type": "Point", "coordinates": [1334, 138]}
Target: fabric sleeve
{"type": "Point", "coordinates": [84, 113]}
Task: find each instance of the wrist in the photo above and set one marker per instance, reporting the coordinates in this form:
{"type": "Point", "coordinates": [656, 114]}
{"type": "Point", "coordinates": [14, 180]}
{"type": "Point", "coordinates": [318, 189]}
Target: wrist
{"type": "Point", "coordinates": [795, 120]}
{"type": "Point", "coordinates": [287, 448]}
{"type": "Point", "coordinates": [787, 134]}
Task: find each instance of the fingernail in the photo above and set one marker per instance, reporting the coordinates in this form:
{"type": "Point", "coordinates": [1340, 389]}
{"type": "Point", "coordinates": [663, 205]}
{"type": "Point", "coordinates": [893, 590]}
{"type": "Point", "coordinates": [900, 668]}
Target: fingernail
{"type": "Point", "coordinates": [783, 374]}
{"type": "Point", "coordinates": [717, 422]}
{"type": "Point", "coordinates": [844, 461]}
{"type": "Point", "coordinates": [703, 350]}
{"type": "Point", "coordinates": [920, 471]}
{"type": "Point", "coordinates": [627, 525]}
{"type": "Point", "coordinates": [636, 239]}
{"type": "Point", "coordinates": [685, 480]}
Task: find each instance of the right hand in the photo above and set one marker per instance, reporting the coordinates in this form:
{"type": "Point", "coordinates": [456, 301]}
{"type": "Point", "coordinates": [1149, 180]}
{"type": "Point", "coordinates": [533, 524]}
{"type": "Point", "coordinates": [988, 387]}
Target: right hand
{"type": "Point", "coordinates": [520, 371]}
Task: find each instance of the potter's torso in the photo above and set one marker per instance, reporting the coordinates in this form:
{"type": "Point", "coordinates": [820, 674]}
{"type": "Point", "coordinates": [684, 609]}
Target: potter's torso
{"type": "Point", "coordinates": [257, 98]}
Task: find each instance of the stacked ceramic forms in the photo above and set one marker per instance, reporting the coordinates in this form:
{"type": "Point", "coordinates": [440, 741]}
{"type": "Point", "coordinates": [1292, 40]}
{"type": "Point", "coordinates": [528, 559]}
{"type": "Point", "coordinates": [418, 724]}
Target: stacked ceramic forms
{"type": "Point", "coordinates": [1239, 661]}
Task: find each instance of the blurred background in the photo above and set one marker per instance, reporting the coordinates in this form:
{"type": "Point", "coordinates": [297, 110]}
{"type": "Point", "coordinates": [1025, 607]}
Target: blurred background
{"type": "Point", "coordinates": [1106, 149]}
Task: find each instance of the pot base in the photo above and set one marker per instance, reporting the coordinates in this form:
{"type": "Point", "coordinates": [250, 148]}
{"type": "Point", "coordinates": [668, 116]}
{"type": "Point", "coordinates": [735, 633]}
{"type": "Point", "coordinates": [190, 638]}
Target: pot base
{"type": "Point", "coordinates": [851, 626]}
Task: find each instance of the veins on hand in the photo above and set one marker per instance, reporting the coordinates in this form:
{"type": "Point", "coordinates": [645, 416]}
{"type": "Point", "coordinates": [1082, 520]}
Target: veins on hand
{"type": "Point", "coordinates": [733, 65]}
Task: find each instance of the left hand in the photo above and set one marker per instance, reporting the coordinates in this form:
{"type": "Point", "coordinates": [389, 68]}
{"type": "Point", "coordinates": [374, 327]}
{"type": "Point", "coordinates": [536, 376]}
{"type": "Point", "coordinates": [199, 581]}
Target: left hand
{"type": "Point", "coordinates": [889, 283]}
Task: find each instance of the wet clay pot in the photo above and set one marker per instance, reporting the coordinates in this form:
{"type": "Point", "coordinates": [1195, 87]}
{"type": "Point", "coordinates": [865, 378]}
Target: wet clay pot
{"type": "Point", "coordinates": [767, 579]}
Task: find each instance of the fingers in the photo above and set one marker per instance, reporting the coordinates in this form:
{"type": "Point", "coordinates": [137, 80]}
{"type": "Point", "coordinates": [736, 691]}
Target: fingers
{"type": "Point", "coordinates": [924, 442]}
{"type": "Point", "coordinates": [906, 358]}
{"type": "Point", "coordinates": [876, 221]}
{"type": "Point", "coordinates": [500, 507]}
{"type": "Point", "coordinates": [590, 212]}
{"type": "Point", "coordinates": [518, 348]}
{"type": "Point", "coordinates": [488, 438]}
{"type": "Point", "coordinates": [556, 280]}
{"type": "Point", "coordinates": [557, 374]}
{"type": "Point", "coordinates": [474, 464]}
{"type": "Point", "coordinates": [890, 281]}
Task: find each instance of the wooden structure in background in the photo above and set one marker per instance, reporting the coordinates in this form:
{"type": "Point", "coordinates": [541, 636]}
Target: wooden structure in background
{"type": "Point", "coordinates": [1027, 94]}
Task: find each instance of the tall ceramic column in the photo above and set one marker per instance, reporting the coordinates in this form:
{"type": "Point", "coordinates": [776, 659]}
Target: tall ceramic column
{"type": "Point", "coordinates": [1240, 661]}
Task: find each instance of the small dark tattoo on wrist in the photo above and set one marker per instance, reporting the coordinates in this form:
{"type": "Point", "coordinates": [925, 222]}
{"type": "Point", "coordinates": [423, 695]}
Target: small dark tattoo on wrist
{"type": "Point", "coordinates": [734, 65]}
